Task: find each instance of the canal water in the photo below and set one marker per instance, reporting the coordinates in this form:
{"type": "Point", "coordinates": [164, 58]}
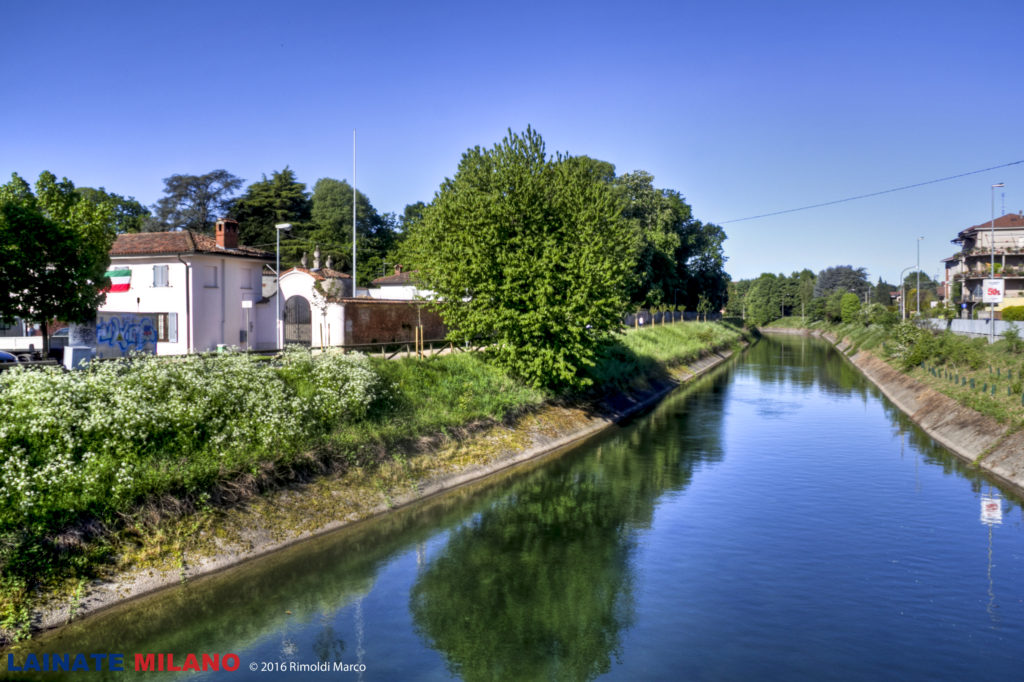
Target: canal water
{"type": "Point", "coordinates": [777, 520]}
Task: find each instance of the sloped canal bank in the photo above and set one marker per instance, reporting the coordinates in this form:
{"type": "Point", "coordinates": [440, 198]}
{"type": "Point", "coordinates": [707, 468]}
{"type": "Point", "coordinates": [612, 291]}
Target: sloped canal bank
{"type": "Point", "coordinates": [777, 519]}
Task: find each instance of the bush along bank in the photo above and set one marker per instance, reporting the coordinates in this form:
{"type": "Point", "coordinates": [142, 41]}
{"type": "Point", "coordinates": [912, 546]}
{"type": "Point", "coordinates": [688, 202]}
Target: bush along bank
{"type": "Point", "coordinates": [967, 393]}
{"type": "Point", "coordinates": [129, 464]}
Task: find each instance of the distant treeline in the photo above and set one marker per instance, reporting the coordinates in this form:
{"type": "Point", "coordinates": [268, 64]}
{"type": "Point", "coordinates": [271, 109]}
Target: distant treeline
{"type": "Point", "coordinates": [819, 296]}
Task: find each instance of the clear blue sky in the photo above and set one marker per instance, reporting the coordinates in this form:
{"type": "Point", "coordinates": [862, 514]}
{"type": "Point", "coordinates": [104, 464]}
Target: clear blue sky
{"type": "Point", "coordinates": [744, 107]}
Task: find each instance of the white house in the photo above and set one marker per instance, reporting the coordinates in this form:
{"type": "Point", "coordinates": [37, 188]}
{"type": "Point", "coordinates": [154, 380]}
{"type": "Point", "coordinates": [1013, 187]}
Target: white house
{"type": "Point", "coordinates": [187, 292]}
{"type": "Point", "coordinates": [401, 286]}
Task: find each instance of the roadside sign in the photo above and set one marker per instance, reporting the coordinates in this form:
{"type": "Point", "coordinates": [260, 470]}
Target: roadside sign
{"type": "Point", "coordinates": [246, 304]}
{"type": "Point", "coordinates": [992, 290]}
{"type": "Point", "coordinates": [991, 511]}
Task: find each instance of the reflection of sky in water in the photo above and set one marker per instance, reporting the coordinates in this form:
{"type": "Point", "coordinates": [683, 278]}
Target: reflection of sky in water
{"type": "Point", "coordinates": [772, 522]}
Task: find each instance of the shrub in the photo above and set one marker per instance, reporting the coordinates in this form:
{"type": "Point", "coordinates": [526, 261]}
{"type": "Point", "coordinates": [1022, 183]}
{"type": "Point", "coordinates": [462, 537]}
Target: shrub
{"type": "Point", "coordinates": [89, 441]}
{"type": "Point", "coordinates": [876, 313]}
{"type": "Point", "coordinates": [849, 306]}
{"type": "Point", "coordinates": [1014, 313]}
{"type": "Point", "coordinates": [911, 345]}
{"type": "Point", "coordinates": [1014, 343]}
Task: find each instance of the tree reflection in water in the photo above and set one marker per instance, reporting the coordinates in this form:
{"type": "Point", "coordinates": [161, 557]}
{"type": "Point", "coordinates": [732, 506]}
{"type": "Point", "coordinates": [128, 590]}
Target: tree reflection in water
{"type": "Point", "coordinates": [540, 584]}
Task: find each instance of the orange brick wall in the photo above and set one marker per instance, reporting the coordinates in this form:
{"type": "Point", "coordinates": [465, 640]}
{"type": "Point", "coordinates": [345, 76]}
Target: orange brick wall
{"type": "Point", "coordinates": [387, 322]}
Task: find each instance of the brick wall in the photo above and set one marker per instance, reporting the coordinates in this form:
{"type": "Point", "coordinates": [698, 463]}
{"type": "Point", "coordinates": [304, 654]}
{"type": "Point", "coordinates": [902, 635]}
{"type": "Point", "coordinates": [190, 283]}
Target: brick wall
{"type": "Point", "coordinates": [390, 321]}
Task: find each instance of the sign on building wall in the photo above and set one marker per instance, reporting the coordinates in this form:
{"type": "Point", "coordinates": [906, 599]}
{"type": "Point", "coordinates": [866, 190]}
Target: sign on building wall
{"type": "Point", "coordinates": [992, 290]}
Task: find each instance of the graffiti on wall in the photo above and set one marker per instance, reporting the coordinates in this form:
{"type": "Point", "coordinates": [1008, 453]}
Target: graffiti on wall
{"type": "Point", "coordinates": [119, 333]}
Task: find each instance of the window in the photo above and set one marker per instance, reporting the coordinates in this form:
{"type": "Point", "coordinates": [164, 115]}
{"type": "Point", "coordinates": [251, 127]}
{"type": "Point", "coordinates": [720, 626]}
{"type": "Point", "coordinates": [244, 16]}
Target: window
{"type": "Point", "coordinates": [247, 278]}
{"type": "Point", "coordinates": [166, 327]}
{"type": "Point", "coordinates": [160, 276]}
{"type": "Point", "coordinates": [210, 277]}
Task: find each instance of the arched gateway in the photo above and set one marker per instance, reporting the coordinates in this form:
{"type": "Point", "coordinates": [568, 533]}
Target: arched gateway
{"type": "Point", "coordinates": [298, 326]}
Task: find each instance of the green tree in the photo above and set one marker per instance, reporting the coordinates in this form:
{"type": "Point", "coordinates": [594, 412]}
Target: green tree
{"type": "Point", "coordinates": [700, 262]}
{"type": "Point", "coordinates": [764, 300]}
{"type": "Point", "coordinates": [806, 281]}
{"type": "Point", "coordinates": [411, 214]}
{"type": "Point", "coordinates": [281, 199]}
{"type": "Point", "coordinates": [841, 278]}
{"type": "Point", "coordinates": [194, 202]}
{"type": "Point", "coordinates": [332, 228]}
{"type": "Point", "coordinates": [129, 214]}
{"type": "Point", "coordinates": [529, 252]}
{"type": "Point", "coordinates": [737, 295]}
{"type": "Point", "coordinates": [834, 306]}
{"type": "Point", "coordinates": [910, 281]}
{"type": "Point", "coordinates": [658, 221]}
{"type": "Point", "coordinates": [881, 292]}
{"type": "Point", "coordinates": [849, 306]}
{"type": "Point", "coordinates": [54, 251]}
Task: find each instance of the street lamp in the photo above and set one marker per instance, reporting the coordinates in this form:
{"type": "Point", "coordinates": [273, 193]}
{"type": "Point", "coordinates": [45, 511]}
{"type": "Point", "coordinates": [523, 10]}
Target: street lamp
{"type": "Point", "coordinates": [277, 273]}
{"type": "Point", "coordinates": [992, 274]}
{"type": "Point", "coordinates": [919, 276]}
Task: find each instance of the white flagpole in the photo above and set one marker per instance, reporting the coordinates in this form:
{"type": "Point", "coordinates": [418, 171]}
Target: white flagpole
{"type": "Point", "coordinates": [353, 213]}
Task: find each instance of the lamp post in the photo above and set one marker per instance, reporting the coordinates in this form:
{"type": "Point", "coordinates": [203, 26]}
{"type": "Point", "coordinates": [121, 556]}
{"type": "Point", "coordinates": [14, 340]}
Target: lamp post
{"type": "Point", "coordinates": [992, 273]}
{"type": "Point", "coordinates": [903, 298]}
{"type": "Point", "coordinates": [918, 289]}
{"type": "Point", "coordinates": [277, 273]}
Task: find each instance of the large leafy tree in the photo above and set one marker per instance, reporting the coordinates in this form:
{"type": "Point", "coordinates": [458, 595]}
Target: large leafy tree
{"type": "Point", "coordinates": [881, 292]}
{"type": "Point", "coordinates": [281, 199]}
{"type": "Point", "coordinates": [530, 253]}
{"type": "Point", "coordinates": [194, 201]}
{"type": "Point", "coordinates": [766, 299]}
{"type": "Point", "coordinates": [845, 278]}
{"type": "Point", "coordinates": [129, 214]}
{"type": "Point", "coordinates": [54, 251]}
{"type": "Point", "coordinates": [331, 228]}
{"type": "Point", "coordinates": [700, 262]}
{"type": "Point", "coordinates": [659, 221]}
{"type": "Point", "coordinates": [681, 260]}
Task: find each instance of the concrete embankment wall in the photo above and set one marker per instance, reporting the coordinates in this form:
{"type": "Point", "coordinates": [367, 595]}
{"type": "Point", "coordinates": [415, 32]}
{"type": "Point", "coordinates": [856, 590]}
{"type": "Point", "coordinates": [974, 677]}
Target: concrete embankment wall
{"type": "Point", "coordinates": [974, 437]}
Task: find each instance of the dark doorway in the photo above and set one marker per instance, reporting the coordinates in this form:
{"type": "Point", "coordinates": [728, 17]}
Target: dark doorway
{"type": "Point", "coordinates": [298, 326]}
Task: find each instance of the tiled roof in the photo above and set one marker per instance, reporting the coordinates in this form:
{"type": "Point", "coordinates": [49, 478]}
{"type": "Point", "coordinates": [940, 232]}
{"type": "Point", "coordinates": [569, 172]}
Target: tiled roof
{"type": "Point", "coordinates": [396, 279]}
{"type": "Point", "coordinates": [322, 273]}
{"type": "Point", "coordinates": [185, 241]}
{"type": "Point", "coordinates": [1008, 220]}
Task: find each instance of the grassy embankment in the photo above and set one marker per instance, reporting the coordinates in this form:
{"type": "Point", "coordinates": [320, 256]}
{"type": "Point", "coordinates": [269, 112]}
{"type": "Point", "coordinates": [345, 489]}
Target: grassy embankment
{"type": "Point", "coordinates": [130, 462]}
{"type": "Point", "coordinates": [988, 378]}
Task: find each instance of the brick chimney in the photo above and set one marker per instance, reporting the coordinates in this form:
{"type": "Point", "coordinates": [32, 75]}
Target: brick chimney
{"type": "Point", "coordinates": [227, 233]}
{"type": "Point", "coordinates": [398, 269]}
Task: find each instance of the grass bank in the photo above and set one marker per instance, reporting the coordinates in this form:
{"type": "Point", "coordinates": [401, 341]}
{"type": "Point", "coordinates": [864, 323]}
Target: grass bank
{"type": "Point", "coordinates": [988, 378]}
{"type": "Point", "coordinates": [129, 463]}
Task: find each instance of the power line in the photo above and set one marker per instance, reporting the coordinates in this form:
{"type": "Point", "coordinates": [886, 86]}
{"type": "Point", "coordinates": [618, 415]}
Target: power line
{"type": "Point", "coordinates": [872, 194]}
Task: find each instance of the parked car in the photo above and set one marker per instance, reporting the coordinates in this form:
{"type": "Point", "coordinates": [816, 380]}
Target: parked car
{"type": "Point", "coordinates": [8, 358]}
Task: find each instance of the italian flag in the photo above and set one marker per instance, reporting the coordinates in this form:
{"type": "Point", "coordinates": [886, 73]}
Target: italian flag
{"type": "Point", "coordinates": [120, 279]}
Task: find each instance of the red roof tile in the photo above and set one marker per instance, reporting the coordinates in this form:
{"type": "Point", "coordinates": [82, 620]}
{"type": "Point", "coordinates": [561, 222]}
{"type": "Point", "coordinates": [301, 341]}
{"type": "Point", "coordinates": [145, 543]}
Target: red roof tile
{"type": "Point", "coordinates": [396, 279]}
{"type": "Point", "coordinates": [184, 241]}
{"type": "Point", "coordinates": [1008, 220]}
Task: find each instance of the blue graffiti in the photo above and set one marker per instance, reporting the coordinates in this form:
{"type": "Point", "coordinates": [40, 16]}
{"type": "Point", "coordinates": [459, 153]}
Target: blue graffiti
{"type": "Point", "coordinates": [127, 333]}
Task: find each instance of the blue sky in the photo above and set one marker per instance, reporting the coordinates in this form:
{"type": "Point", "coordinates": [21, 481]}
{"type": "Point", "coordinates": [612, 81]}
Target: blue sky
{"type": "Point", "coordinates": [744, 107]}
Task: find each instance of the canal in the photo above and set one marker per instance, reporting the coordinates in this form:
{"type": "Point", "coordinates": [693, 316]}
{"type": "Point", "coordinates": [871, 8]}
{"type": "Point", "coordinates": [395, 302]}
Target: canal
{"type": "Point", "coordinates": [776, 520]}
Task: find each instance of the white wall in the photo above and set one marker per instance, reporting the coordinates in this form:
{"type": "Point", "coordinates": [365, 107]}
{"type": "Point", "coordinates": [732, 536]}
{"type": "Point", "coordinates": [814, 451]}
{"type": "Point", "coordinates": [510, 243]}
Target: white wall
{"type": "Point", "coordinates": [326, 322]}
{"type": "Point", "coordinates": [143, 298]}
{"type": "Point", "coordinates": [399, 293]}
{"type": "Point", "coordinates": [216, 284]}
